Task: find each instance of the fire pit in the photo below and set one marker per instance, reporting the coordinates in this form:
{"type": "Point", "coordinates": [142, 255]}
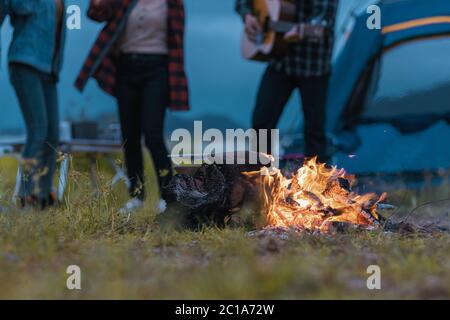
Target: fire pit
{"type": "Point", "coordinates": [316, 198]}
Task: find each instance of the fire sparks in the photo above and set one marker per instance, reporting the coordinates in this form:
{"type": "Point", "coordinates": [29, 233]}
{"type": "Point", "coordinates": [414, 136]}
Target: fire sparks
{"type": "Point", "coordinates": [315, 198]}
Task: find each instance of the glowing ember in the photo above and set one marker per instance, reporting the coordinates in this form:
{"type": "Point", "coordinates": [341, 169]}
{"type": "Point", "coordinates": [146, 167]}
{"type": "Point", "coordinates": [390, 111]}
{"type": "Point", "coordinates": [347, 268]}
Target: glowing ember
{"type": "Point", "coordinates": [315, 198]}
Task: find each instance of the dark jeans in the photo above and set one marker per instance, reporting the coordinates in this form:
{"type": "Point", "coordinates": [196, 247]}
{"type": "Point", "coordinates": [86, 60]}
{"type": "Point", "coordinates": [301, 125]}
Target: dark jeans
{"type": "Point", "coordinates": [37, 96]}
{"type": "Point", "coordinates": [142, 91]}
{"type": "Point", "coordinates": [274, 92]}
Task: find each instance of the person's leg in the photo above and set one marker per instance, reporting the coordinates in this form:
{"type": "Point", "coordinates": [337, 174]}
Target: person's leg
{"type": "Point", "coordinates": [52, 139]}
{"type": "Point", "coordinates": [154, 100]}
{"type": "Point", "coordinates": [314, 97]}
{"type": "Point", "coordinates": [29, 90]}
{"type": "Point", "coordinates": [274, 92]}
{"type": "Point", "coordinates": [130, 120]}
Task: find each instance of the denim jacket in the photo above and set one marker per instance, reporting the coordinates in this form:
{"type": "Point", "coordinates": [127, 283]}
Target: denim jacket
{"type": "Point", "coordinates": [34, 39]}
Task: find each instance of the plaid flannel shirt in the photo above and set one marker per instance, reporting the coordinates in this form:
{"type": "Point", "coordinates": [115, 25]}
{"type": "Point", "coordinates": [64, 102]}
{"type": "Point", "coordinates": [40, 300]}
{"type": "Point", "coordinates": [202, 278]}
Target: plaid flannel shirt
{"type": "Point", "coordinates": [100, 61]}
{"type": "Point", "coordinates": [308, 58]}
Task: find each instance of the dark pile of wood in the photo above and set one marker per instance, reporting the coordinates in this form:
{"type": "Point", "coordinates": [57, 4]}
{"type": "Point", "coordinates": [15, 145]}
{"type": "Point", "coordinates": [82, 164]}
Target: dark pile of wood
{"type": "Point", "coordinates": [211, 194]}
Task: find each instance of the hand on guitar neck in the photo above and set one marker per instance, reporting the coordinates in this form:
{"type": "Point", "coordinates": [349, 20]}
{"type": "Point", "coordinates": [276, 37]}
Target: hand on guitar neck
{"type": "Point", "coordinates": [300, 31]}
{"type": "Point", "coordinates": [293, 35]}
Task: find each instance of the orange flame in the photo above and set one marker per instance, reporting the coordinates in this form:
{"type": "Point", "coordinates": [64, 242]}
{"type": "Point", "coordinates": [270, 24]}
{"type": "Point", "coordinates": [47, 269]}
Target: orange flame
{"type": "Point", "coordinates": [314, 198]}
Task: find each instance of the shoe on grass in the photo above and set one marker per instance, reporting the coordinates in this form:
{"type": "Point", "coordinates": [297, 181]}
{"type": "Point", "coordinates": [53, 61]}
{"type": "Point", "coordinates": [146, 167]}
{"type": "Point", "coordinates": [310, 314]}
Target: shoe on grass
{"type": "Point", "coordinates": [161, 206]}
{"type": "Point", "coordinates": [131, 206]}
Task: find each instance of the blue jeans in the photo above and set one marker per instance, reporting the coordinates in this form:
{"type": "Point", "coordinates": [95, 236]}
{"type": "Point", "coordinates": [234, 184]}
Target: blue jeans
{"type": "Point", "coordinates": [37, 96]}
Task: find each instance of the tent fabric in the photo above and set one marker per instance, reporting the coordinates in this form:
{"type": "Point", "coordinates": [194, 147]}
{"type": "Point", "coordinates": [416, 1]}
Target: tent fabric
{"type": "Point", "coordinates": [411, 86]}
{"type": "Point", "coordinates": [385, 150]}
{"type": "Point", "coordinates": [402, 20]}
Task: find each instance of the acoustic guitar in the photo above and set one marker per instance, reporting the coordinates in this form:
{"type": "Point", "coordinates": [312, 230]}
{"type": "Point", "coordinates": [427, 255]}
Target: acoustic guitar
{"type": "Point", "coordinates": [276, 17]}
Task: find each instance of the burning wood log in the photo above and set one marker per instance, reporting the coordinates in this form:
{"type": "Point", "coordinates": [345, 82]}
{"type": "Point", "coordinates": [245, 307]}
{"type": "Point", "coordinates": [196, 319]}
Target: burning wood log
{"type": "Point", "coordinates": [319, 196]}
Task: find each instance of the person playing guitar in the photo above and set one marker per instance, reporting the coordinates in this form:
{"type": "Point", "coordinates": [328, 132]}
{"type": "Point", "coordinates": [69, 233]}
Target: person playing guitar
{"type": "Point", "coordinates": [306, 66]}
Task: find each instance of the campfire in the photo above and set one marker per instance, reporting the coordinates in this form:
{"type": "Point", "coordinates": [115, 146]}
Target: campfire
{"type": "Point", "coordinates": [315, 198]}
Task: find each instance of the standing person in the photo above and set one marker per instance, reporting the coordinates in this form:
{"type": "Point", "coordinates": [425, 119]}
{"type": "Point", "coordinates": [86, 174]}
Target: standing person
{"type": "Point", "coordinates": [306, 66]}
{"type": "Point", "coordinates": [34, 59]}
{"type": "Point", "coordinates": [139, 58]}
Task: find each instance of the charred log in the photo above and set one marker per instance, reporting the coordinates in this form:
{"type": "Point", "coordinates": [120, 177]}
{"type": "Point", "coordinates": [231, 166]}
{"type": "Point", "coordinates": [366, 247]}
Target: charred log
{"type": "Point", "coordinates": [212, 194]}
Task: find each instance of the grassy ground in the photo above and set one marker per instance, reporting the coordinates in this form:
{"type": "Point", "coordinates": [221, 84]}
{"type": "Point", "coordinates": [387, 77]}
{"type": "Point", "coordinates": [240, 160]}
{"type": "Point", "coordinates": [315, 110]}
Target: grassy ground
{"type": "Point", "coordinates": [135, 258]}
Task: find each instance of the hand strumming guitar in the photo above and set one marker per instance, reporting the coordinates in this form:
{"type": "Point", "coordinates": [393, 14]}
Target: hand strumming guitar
{"type": "Point", "coordinates": [252, 27]}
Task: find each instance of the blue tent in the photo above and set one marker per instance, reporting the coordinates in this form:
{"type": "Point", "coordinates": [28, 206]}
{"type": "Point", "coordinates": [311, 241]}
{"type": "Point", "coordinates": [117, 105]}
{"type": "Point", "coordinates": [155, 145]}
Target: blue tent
{"type": "Point", "coordinates": [389, 100]}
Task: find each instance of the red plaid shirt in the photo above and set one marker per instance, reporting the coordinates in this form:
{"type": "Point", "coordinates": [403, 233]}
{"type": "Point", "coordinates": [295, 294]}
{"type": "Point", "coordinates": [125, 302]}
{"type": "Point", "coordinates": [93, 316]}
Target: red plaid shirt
{"type": "Point", "coordinates": [100, 61]}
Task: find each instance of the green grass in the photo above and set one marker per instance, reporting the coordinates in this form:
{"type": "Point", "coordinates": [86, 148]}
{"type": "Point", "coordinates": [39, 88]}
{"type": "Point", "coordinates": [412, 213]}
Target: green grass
{"type": "Point", "coordinates": [136, 259]}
